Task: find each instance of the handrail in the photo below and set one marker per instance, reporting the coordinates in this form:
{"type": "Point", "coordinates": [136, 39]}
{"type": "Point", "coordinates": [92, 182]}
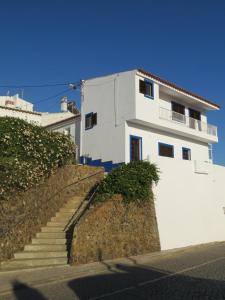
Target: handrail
{"type": "Point", "coordinates": [187, 121]}
{"type": "Point", "coordinates": [4, 233]}
{"type": "Point", "coordinates": [75, 218]}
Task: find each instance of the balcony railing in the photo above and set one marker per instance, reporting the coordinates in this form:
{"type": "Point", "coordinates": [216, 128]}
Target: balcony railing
{"type": "Point", "coordinates": [186, 121]}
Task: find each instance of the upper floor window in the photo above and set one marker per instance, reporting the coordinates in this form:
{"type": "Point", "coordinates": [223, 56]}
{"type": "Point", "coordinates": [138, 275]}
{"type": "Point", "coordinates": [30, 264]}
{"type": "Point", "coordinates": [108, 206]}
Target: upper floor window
{"type": "Point", "coordinates": [195, 119]}
{"type": "Point", "coordinates": [194, 114]}
{"type": "Point", "coordinates": [90, 120]}
{"type": "Point", "coordinates": [178, 112]}
{"type": "Point", "coordinates": [166, 150]}
{"type": "Point", "coordinates": [146, 87]}
{"type": "Point", "coordinates": [210, 151]}
{"type": "Point", "coordinates": [186, 153]}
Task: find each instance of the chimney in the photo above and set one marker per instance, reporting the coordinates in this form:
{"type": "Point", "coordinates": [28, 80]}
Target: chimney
{"type": "Point", "coordinates": [63, 102]}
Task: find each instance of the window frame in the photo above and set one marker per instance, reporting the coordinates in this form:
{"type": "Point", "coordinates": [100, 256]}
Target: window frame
{"type": "Point", "coordinates": [176, 115]}
{"type": "Point", "coordinates": [140, 145]}
{"type": "Point", "coordinates": [210, 152]}
{"type": "Point", "coordinates": [151, 83]}
{"type": "Point", "coordinates": [194, 111]}
{"type": "Point", "coordinates": [87, 116]}
{"type": "Point", "coordinates": [165, 145]}
{"type": "Point", "coordinates": [189, 153]}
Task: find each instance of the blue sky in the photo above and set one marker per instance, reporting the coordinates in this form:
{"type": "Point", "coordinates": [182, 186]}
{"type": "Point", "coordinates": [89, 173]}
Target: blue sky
{"type": "Point", "coordinates": [65, 41]}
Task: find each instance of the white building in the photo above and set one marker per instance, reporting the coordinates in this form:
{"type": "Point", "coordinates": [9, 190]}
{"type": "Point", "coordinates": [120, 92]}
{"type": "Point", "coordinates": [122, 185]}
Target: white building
{"type": "Point", "coordinates": [14, 106]}
{"type": "Point", "coordinates": [66, 121]}
{"type": "Point", "coordinates": [140, 116]}
{"type": "Point", "coordinates": [16, 102]}
{"type": "Point", "coordinates": [137, 115]}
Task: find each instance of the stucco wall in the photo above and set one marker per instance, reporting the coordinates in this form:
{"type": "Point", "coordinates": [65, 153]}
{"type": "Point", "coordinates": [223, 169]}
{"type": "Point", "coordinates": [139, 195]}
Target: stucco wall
{"type": "Point", "coordinates": [27, 116]}
{"type": "Point", "coordinates": [151, 137]}
{"type": "Point", "coordinates": [189, 206]}
{"type": "Point", "coordinates": [112, 98]}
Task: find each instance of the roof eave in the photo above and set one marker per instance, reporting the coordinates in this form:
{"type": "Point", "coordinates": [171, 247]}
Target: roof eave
{"type": "Point", "coordinates": [207, 102]}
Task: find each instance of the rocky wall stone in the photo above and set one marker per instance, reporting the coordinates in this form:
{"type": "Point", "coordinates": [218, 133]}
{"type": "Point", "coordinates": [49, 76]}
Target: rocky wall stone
{"type": "Point", "coordinates": [113, 229]}
{"type": "Point", "coordinates": [23, 215]}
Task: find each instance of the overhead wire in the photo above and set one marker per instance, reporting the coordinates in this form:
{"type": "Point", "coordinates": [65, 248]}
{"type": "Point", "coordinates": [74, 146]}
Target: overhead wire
{"type": "Point", "coordinates": [35, 86]}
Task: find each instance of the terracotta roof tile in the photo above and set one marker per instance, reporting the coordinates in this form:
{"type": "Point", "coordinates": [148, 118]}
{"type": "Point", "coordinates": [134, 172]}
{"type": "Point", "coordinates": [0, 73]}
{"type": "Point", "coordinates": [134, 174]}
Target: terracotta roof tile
{"type": "Point", "coordinates": [178, 88]}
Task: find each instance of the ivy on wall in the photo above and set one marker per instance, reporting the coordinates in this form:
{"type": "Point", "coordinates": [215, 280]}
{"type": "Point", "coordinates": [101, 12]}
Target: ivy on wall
{"type": "Point", "coordinates": [133, 181]}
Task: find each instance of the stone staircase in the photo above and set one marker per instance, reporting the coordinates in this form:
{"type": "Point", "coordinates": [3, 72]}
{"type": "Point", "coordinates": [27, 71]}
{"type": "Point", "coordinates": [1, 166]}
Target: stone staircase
{"type": "Point", "coordinates": [50, 246]}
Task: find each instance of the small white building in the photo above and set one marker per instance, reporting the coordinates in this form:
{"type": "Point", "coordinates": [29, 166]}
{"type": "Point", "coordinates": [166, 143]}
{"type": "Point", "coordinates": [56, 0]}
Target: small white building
{"type": "Point", "coordinates": [14, 106]}
{"type": "Point", "coordinates": [136, 115]}
{"type": "Point", "coordinates": [16, 102]}
{"type": "Point", "coordinates": [66, 121]}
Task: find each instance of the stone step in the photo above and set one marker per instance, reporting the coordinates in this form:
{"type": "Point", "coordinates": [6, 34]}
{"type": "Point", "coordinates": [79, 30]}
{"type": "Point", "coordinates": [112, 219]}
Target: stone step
{"type": "Point", "coordinates": [74, 201]}
{"type": "Point", "coordinates": [53, 229]}
{"type": "Point", "coordinates": [39, 262]}
{"type": "Point", "coordinates": [67, 210]}
{"type": "Point", "coordinates": [71, 205]}
{"type": "Point", "coordinates": [39, 254]}
{"type": "Point", "coordinates": [50, 241]}
{"type": "Point", "coordinates": [56, 224]}
{"type": "Point", "coordinates": [45, 247]}
{"type": "Point", "coordinates": [76, 198]}
{"type": "Point", "coordinates": [65, 214]}
{"type": "Point", "coordinates": [51, 235]}
{"type": "Point", "coordinates": [62, 220]}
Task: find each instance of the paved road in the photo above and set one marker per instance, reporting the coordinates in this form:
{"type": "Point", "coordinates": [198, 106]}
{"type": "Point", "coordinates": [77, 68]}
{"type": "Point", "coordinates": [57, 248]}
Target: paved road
{"type": "Point", "coordinates": [193, 273]}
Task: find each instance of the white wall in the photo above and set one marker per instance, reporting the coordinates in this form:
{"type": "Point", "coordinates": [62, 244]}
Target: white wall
{"type": "Point", "coordinates": [151, 137]}
{"type": "Point", "coordinates": [50, 118]}
{"type": "Point", "coordinates": [74, 128]}
{"type": "Point", "coordinates": [33, 118]}
{"type": "Point", "coordinates": [116, 99]}
{"type": "Point", "coordinates": [189, 206]}
{"type": "Point", "coordinates": [112, 98]}
{"type": "Point", "coordinates": [16, 102]}
{"type": "Point", "coordinates": [165, 102]}
{"type": "Point", "coordinates": [148, 113]}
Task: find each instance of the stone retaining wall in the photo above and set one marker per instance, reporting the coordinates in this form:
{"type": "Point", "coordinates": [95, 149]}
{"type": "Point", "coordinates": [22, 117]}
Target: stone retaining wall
{"type": "Point", "coordinates": [112, 230]}
{"type": "Point", "coordinates": [23, 215]}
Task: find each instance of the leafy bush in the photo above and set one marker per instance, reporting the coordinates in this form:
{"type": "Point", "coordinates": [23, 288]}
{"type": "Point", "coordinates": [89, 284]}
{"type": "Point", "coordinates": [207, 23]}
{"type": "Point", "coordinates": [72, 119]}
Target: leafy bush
{"type": "Point", "coordinates": [133, 181]}
{"type": "Point", "coordinates": [29, 153]}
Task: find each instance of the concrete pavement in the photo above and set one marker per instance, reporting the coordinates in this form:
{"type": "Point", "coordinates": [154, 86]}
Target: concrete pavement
{"type": "Point", "coordinates": [190, 273]}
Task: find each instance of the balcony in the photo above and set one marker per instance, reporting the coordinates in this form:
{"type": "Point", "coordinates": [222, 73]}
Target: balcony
{"type": "Point", "coordinates": [182, 120]}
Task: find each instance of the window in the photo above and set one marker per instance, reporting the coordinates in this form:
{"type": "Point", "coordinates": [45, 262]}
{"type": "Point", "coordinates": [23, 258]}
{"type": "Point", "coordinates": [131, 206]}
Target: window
{"type": "Point", "coordinates": [210, 151]}
{"type": "Point", "coordinates": [90, 120]}
{"type": "Point", "coordinates": [146, 87]}
{"type": "Point", "coordinates": [178, 112]}
{"type": "Point", "coordinates": [194, 114]}
{"type": "Point", "coordinates": [186, 153]}
{"type": "Point", "coordinates": [66, 131]}
{"type": "Point", "coordinates": [135, 148]}
{"type": "Point", "coordinates": [195, 119]}
{"type": "Point", "coordinates": [166, 150]}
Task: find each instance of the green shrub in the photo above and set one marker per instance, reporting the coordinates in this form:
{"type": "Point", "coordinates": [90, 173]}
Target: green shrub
{"type": "Point", "coordinates": [28, 154]}
{"type": "Point", "coordinates": [133, 181]}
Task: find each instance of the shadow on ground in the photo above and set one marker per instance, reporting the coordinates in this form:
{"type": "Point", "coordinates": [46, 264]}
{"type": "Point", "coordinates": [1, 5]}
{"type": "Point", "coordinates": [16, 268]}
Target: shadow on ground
{"type": "Point", "coordinates": [130, 282]}
{"type": "Point", "coordinates": [23, 291]}
{"type": "Point", "coordinates": [140, 282]}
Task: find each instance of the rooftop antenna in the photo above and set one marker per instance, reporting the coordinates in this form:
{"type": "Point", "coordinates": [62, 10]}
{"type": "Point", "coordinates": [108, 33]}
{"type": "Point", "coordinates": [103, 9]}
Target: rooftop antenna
{"type": "Point", "coordinates": [22, 93]}
{"type": "Point", "coordinates": [8, 93]}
